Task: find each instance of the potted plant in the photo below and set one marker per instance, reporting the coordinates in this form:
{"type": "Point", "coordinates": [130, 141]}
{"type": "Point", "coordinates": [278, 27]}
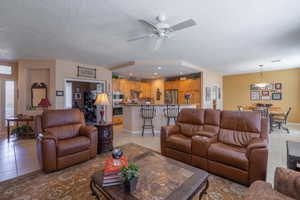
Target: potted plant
{"type": "Point", "coordinates": [22, 130]}
{"type": "Point", "coordinates": [130, 176]}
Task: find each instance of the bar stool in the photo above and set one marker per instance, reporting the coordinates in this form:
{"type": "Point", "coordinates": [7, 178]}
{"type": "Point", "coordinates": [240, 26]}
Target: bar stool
{"type": "Point", "coordinates": [171, 112]}
{"type": "Point", "coordinates": [148, 113]}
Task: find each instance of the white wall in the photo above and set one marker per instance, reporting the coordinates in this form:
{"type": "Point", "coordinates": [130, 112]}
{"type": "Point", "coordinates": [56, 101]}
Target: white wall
{"type": "Point", "coordinates": [68, 70]}
{"type": "Point", "coordinates": [30, 71]}
{"type": "Point", "coordinates": [211, 79]}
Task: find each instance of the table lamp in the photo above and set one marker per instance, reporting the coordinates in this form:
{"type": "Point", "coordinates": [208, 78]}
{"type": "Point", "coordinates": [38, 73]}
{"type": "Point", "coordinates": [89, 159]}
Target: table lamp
{"type": "Point", "coordinates": [101, 99]}
{"type": "Point", "coordinates": [44, 103]}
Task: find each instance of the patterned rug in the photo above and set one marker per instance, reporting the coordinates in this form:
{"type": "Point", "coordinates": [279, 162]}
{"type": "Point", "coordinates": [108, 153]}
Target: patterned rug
{"type": "Point", "coordinates": [73, 183]}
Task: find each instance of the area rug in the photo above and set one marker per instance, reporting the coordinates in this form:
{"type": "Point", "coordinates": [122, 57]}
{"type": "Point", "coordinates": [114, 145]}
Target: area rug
{"type": "Point", "coordinates": [73, 183]}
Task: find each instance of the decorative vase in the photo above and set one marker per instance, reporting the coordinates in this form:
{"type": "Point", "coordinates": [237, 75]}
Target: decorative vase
{"type": "Point", "coordinates": [130, 186]}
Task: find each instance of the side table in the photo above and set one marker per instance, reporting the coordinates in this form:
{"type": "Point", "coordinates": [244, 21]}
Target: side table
{"type": "Point", "coordinates": [293, 154]}
{"type": "Point", "coordinates": [105, 137]}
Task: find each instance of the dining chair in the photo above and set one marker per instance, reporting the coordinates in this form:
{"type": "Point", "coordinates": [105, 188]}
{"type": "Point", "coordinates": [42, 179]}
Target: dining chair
{"type": "Point", "coordinates": [277, 120]}
{"type": "Point", "coordinates": [264, 112]}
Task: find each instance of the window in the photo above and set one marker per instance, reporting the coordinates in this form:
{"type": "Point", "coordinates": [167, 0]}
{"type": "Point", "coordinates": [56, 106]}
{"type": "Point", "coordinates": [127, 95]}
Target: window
{"type": "Point", "coordinates": [6, 70]}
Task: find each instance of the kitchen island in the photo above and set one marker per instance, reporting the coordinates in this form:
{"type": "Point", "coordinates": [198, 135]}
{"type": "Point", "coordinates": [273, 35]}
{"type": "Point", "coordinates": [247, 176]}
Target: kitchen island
{"type": "Point", "coordinates": [133, 122]}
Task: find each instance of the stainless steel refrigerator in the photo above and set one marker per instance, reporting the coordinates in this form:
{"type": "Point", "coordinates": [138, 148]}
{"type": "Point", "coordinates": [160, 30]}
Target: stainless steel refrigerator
{"type": "Point", "coordinates": [171, 97]}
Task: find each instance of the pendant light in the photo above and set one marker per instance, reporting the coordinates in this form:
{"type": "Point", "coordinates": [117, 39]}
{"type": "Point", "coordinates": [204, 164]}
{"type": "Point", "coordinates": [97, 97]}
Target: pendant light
{"type": "Point", "coordinates": [261, 84]}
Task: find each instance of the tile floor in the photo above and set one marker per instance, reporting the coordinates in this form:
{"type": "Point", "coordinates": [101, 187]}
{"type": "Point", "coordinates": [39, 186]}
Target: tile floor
{"type": "Point", "coordinates": [19, 157]}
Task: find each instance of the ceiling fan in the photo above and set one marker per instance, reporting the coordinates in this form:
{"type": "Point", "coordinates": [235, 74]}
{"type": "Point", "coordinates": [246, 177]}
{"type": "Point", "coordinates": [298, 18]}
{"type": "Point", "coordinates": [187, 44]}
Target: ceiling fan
{"type": "Point", "coordinates": [162, 30]}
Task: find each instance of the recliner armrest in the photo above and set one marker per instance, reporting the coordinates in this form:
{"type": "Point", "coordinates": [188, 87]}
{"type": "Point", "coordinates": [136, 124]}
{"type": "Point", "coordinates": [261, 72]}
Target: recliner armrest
{"type": "Point", "coordinates": [165, 132]}
{"type": "Point", "coordinates": [47, 136]}
{"type": "Point", "coordinates": [206, 134]}
{"type": "Point", "coordinates": [87, 130]}
{"type": "Point", "coordinates": [92, 134]}
{"type": "Point", "coordinates": [256, 143]}
{"type": "Point", "coordinates": [46, 151]}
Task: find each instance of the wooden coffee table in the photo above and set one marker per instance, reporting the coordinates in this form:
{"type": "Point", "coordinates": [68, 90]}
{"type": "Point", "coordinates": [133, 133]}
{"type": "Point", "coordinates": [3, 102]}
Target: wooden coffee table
{"type": "Point", "coordinates": [160, 178]}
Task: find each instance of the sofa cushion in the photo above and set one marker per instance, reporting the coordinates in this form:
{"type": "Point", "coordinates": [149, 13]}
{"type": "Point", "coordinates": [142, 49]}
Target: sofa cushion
{"type": "Point", "coordinates": [229, 155]}
{"type": "Point", "coordinates": [212, 117]}
{"type": "Point", "coordinates": [72, 145]}
{"type": "Point", "coordinates": [189, 129]}
{"type": "Point", "coordinates": [180, 143]}
{"type": "Point", "coordinates": [65, 131]}
{"type": "Point", "coordinates": [191, 116]}
{"type": "Point", "coordinates": [52, 118]}
{"type": "Point", "coordinates": [238, 128]}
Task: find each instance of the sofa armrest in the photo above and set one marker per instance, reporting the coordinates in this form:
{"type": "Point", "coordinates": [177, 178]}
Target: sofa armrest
{"type": "Point", "coordinates": [92, 134]}
{"type": "Point", "coordinates": [46, 151]}
{"type": "Point", "coordinates": [200, 144]}
{"type": "Point", "coordinates": [165, 132]}
{"type": "Point", "coordinates": [287, 181]}
{"type": "Point", "coordinates": [206, 134]}
{"type": "Point", "coordinates": [256, 143]}
{"type": "Point", "coordinates": [47, 136]}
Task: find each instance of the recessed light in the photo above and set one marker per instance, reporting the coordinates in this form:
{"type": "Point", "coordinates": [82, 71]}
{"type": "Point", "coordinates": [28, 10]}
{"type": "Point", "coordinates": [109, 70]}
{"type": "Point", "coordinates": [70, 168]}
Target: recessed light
{"type": "Point", "coordinates": [155, 73]}
{"type": "Point", "coordinates": [275, 61]}
{"type": "Point", "coordinates": [159, 68]}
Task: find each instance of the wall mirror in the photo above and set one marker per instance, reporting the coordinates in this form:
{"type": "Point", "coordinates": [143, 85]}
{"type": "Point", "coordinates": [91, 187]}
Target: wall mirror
{"type": "Point", "coordinates": [38, 92]}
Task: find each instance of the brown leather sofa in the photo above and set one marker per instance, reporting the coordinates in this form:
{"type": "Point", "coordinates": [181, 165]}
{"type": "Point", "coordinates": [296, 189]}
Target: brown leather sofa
{"type": "Point", "coordinates": [286, 187]}
{"type": "Point", "coordinates": [231, 144]}
{"type": "Point", "coordinates": [64, 139]}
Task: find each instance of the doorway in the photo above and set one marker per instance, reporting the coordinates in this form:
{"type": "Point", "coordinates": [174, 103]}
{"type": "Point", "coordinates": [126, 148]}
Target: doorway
{"type": "Point", "coordinates": [81, 95]}
{"type": "Point", "coordinates": [7, 101]}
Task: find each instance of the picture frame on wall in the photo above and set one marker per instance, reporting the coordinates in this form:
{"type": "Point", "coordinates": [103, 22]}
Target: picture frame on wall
{"type": "Point", "coordinates": [278, 86]}
{"type": "Point", "coordinates": [255, 95]}
{"type": "Point", "coordinates": [59, 93]}
{"type": "Point", "coordinates": [265, 93]}
{"type": "Point", "coordinates": [276, 96]}
{"type": "Point", "coordinates": [253, 87]}
{"type": "Point", "coordinates": [265, 97]}
{"type": "Point", "coordinates": [86, 72]}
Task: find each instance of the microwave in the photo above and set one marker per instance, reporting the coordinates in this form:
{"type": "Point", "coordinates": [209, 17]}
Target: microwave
{"type": "Point", "coordinates": [118, 96]}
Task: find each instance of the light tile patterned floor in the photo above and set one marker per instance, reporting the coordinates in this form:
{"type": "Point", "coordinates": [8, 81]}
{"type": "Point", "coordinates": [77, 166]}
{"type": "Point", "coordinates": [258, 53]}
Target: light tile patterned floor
{"type": "Point", "coordinates": [19, 157]}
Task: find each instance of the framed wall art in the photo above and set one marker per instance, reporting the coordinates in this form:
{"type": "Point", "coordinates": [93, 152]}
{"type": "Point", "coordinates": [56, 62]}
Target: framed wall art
{"type": "Point", "coordinates": [265, 97]}
{"type": "Point", "coordinates": [265, 93]}
{"type": "Point", "coordinates": [278, 86]}
{"type": "Point", "coordinates": [59, 93]}
{"type": "Point", "coordinates": [255, 95]}
{"type": "Point", "coordinates": [276, 96]}
{"type": "Point", "coordinates": [86, 72]}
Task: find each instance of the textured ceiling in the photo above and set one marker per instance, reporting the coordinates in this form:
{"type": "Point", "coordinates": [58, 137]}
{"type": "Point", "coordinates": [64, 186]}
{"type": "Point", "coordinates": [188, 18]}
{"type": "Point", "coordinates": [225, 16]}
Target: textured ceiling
{"type": "Point", "coordinates": [232, 36]}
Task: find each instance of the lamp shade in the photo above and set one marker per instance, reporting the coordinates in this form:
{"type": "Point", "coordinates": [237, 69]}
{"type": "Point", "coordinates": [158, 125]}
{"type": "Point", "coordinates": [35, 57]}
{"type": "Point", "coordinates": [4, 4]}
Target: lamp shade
{"type": "Point", "coordinates": [44, 103]}
{"type": "Point", "coordinates": [101, 99]}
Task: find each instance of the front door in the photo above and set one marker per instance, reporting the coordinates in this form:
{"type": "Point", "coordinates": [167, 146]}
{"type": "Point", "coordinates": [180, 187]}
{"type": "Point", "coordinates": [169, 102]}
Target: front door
{"type": "Point", "coordinates": [7, 101]}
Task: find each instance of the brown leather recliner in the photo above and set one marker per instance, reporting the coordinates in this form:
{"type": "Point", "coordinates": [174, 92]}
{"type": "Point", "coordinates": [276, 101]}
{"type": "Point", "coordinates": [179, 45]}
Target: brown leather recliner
{"type": "Point", "coordinates": [232, 144]}
{"type": "Point", "coordinates": [64, 139]}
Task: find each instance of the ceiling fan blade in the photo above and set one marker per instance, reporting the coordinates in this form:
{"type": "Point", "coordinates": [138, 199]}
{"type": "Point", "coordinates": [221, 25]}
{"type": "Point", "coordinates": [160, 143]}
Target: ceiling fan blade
{"type": "Point", "coordinates": [182, 25]}
{"type": "Point", "coordinates": [150, 25]}
{"type": "Point", "coordinates": [140, 38]}
{"type": "Point", "coordinates": [158, 44]}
